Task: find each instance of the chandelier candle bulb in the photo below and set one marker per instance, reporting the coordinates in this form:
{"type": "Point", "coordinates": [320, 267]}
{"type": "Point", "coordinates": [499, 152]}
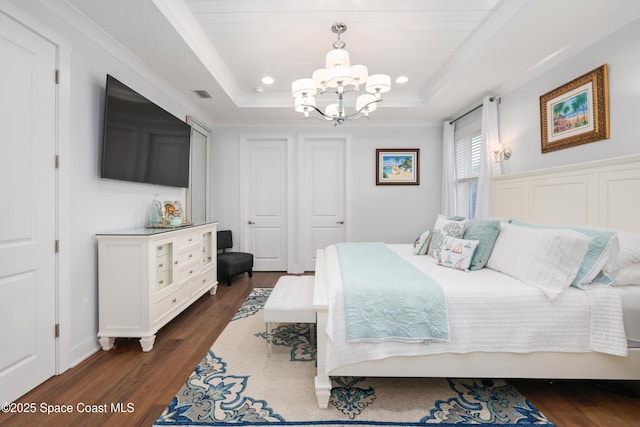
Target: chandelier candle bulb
{"type": "Point", "coordinates": [304, 104]}
{"type": "Point", "coordinates": [366, 103]}
{"type": "Point", "coordinates": [319, 77]}
{"type": "Point", "coordinates": [339, 76]}
{"type": "Point", "coordinates": [359, 73]}
{"type": "Point", "coordinates": [331, 110]}
{"type": "Point", "coordinates": [378, 84]}
{"type": "Point", "coordinates": [337, 58]}
{"type": "Point", "coordinates": [303, 87]}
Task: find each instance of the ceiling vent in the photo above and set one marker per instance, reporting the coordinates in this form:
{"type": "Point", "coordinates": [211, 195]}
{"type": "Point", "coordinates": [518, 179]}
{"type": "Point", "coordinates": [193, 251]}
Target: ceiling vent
{"type": "Point", "coordinates": [202, 93]}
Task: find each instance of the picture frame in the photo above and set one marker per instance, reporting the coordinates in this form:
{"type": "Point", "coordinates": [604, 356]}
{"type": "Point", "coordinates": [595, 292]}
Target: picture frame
{"type": "Point", "coordinates": [398, 166]}
{"type": "Point", "coordinates": [576, 113]}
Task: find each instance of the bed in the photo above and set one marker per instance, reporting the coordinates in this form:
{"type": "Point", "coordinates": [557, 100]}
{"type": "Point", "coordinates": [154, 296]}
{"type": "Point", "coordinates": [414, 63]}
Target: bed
{"type": "Point", "coordinates": [597, 344]}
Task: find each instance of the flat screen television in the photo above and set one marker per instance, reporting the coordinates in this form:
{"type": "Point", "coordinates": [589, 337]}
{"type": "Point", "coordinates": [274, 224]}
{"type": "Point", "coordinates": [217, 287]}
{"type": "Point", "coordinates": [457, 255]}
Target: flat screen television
{"type": "Point", "coordinates": [141, 141]}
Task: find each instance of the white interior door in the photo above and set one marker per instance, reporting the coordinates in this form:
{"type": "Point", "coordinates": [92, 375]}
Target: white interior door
{"type": "Point", "coordinates": [264, 202]}
{"type": "Point", "coordinates": [323, 195]}
{"type": "Point", "coordinates": [27, 233]}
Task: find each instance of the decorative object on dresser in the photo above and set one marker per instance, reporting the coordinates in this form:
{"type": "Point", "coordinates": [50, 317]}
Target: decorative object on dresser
{"type": "Point", "coordinates": [232, 263]}
{"type": "Point", "coordinates": [149, 276]}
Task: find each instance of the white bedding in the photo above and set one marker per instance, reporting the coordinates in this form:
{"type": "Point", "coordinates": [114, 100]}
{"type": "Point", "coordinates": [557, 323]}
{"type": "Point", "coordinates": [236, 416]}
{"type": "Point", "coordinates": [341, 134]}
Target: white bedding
{"type": "Point", "coordinates": [488, 312]}
{"type": "Point", "coordinates": [630, 295]}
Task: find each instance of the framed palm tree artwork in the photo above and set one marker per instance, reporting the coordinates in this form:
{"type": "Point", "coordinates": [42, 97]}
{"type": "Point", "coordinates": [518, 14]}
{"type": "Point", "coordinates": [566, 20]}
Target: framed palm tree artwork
{"type": "Point", "coordinates": [576, 113]}
{"type": "Point", "coordinates": [398, 166]}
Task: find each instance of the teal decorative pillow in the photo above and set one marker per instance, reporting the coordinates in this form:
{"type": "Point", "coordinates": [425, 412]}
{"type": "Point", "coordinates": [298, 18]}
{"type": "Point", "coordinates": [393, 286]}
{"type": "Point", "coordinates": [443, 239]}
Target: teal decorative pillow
{"type": "Point", "coordinates": [421, 245]}
{"type": "Point", "coordinates": [486, 231]}
{"type": "Point", "coordinates": [444, 226]}
{"type": "Point", "coordinates": [457, 253]}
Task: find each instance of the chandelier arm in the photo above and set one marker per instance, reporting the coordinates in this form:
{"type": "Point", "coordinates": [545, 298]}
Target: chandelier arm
{"type": "Point", "coordinates": [318, 110]}
{"type": "Point", "coordinates": [360, 111]}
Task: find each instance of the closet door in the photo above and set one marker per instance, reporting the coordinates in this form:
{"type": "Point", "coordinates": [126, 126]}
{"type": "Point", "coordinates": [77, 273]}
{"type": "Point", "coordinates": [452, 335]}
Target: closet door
{"type": "Point", "coordinates": [323, 194]}
{"type": "Point", "coordinates": [264, 201]}
{"type": "Point", "coordinates": [27, 233]}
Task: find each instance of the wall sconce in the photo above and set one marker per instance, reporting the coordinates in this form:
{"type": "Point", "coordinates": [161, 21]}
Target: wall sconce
{"type": "Point", "coordinates": [500, 153]}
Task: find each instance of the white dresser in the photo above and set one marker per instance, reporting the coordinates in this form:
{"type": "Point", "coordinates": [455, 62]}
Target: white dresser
{"type": "Point", "coordinates": [148, 276]}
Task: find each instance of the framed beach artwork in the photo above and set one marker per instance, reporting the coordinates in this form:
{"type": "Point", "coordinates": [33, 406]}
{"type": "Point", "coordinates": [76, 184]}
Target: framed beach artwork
{"type": "Point", "coordinates": [576, 113]}
{"type": "Point", "coordinates": [399, 166]}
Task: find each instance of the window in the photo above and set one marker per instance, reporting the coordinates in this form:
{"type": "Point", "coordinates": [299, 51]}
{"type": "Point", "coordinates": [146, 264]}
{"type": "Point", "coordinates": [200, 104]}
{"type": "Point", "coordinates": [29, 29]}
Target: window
{"type": "Point", "coordinates": [467, 168]}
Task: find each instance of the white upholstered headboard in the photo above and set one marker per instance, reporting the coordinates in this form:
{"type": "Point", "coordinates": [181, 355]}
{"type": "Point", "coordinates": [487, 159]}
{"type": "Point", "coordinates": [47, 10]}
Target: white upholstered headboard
{"type": "Point", "coordinates": [604, 193]}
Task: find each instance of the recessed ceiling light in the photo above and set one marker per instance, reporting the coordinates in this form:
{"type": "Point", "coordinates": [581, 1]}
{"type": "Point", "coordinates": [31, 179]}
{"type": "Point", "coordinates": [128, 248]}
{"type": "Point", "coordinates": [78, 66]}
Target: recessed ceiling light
{"type": "Point", "coordinates": [267, 80]}
{"type": "Point", "coordinates": [402, 79]}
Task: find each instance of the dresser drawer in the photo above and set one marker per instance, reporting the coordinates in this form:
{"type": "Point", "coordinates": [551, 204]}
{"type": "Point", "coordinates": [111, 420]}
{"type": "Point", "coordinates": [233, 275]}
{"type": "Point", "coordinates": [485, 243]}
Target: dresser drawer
{"type": "Point", "coordinates": [163, 263]}
{"type": "Point", "coordinates": [163, 249]}
{"type": "Point", "coordinates": [202, 281]}
{"type": "Point", "coordinates": [188, 241]}
{"type": "Point", "coordinates": [186, 257]}
{"type": "Point", "coordinates": [169, 303]}
{"type": "Point", "coordinates": [188, 271]}
{"type": "Point", "coordinates": [163, 279]}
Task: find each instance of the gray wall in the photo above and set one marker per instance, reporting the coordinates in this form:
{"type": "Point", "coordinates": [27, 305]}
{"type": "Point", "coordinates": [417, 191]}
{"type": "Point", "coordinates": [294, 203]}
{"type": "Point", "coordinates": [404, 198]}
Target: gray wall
{"type": "Point", "coordinates": [394, 214]}
{"type": "Point", "coordinates": [520, 110]}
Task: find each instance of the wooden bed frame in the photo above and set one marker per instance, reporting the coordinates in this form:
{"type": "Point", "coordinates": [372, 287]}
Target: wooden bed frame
{"type": "Point", "coordinates": [602, 193]}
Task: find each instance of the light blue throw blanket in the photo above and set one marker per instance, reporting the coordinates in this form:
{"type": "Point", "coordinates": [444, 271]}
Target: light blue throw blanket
{"type": "Point", "coordinates": [387, 298]}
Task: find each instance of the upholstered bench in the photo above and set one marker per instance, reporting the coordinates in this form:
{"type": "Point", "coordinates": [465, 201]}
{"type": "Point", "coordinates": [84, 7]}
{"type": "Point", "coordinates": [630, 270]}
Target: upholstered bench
{"type": "Point", "coordinates": [291, 301]}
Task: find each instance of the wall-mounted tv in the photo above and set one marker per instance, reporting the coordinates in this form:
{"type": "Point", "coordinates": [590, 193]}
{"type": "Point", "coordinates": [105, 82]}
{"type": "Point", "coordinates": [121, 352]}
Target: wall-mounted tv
{"type": "Point", "coordinates": [142, 142]}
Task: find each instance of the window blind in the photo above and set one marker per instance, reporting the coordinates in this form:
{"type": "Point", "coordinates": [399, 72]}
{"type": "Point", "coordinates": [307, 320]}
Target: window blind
{"type": "Point", "coordinates": [468, 157]}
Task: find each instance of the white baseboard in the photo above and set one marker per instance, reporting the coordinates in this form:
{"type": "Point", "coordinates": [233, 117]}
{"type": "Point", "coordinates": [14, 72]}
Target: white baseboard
{"type": "Point", "coordinates": [82, 351]}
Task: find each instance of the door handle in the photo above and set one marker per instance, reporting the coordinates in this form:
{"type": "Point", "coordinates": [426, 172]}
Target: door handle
{"type": "Point", "coordinates": [340, 222]}
{"type": "Point", "coordinates": [250, 222]}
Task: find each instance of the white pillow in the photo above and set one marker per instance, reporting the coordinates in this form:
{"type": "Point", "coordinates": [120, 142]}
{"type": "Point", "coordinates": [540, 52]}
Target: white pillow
{"type": "Point", "coordinates": [421, 245]}
{"type": "Point", "coordinates": [629, 275]}
{"type": "Point", "coordinates": [457, 253]}
{"type": "Point", "coordinates": [444, 227]}
{"type": "Point", "coordinates": [628, 254]}
{"type": "Point", "coordinates": [548, 259]}
{"type": "Point", "coordinates": [603, 248]}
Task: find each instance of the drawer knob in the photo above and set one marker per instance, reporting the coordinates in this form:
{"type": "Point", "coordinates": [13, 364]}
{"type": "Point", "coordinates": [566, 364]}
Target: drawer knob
{"type": "Point", "coordinates": [161, 282]}
{"type": "Point", "coordinates": [173, 301]}
{"type": "Point", "coordinates": [161, 264]}
{"type": "Point", "coordinates": [175, 262]}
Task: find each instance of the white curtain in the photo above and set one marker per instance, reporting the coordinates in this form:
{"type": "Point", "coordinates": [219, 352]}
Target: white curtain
{"type": "Point", "coordinates": [448, 199]}
{"type": "Point", "coordinates": [490, 137]}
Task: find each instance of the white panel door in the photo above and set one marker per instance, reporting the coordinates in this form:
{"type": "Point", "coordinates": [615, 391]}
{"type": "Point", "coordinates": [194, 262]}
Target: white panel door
{"type": "Point", "coordinates": [27, 233]}
{"type": "Point", "coordinates": [264, 210]}
{"type": "Point", "coordinates": [323, 195]}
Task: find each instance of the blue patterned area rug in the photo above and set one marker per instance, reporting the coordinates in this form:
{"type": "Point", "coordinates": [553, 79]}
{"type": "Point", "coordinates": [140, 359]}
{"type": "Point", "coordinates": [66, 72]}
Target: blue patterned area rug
{"type": "Point", "coordinates": [238, 384]}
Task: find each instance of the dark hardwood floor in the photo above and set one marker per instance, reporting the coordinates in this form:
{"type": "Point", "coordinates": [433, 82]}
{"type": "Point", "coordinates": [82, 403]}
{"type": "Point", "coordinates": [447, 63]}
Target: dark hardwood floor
{"type": "Point", "coordinates": [144, 383]}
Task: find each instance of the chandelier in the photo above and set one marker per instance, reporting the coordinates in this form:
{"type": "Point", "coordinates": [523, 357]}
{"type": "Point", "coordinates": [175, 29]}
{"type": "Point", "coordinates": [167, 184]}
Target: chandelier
{"type": "Point", "coordinates": [340, 77]}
